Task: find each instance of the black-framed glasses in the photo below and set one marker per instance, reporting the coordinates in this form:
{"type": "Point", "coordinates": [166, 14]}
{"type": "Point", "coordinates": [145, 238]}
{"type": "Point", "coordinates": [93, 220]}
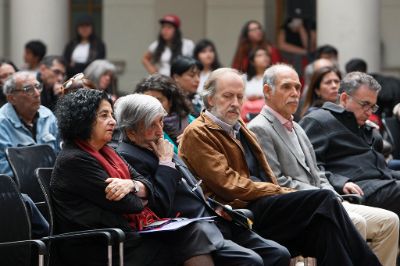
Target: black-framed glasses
{"type": "Point", "coordinates": [366, 106]}
{"type": "Point", "coordinates": [30, 89]}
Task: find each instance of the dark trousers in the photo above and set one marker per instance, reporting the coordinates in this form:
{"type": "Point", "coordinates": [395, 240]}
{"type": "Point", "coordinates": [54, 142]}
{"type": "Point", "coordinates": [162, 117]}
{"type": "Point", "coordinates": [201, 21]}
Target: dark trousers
{"type": "Point", "coordinates": [312, 223]}
{"type": "Point", "coordinates": [270, 252]}
{"type": "Point", "coordinates": [387, 197]}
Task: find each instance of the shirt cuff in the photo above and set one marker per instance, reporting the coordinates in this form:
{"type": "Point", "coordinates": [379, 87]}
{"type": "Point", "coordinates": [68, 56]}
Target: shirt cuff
{"type": "Point", "coordinates": [167, 163]}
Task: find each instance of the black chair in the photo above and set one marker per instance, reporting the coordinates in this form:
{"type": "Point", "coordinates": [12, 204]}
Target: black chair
{"type": "Point", "coordinates": [23, 162]}
{"type": "Point", "coordinates": [43, 176]}
{"type": "Point", "coordinates": [15, 230]}
{"type": "Point", "coordinates": [392, 130]}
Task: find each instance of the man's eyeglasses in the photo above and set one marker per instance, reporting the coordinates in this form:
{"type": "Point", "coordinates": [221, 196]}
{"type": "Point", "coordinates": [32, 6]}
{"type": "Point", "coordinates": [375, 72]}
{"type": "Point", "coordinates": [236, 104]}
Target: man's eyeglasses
{"type": "Point", "coordinates": [366, 106]}
{"type": "Point", "coordinates": [30, 89]}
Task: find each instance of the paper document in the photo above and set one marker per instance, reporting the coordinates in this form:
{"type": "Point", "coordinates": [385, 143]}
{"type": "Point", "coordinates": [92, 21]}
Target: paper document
{"type": "Point", "coordinates": [172, 224]}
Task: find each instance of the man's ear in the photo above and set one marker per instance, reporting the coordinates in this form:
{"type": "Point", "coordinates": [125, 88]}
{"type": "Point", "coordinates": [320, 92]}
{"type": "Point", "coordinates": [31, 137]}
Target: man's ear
{"type": "Point", "coordinates": [210, 100]}
{"type": "Point", "coordinates": [267, 91]}
{"type": "Point", "coordinates": [10, 98]}
{"type": "Point", "coordinates": [343, 98]}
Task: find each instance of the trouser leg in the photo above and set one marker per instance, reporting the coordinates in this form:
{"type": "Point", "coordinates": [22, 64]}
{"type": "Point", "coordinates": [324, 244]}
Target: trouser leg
{"type": "Point", "coordinates": [314, 224]}
{"type": "Point", "coordinates": [387, 198]}
{"type": "Point", "coordinates": [382, 231]}
{"type": "Point", "coordinates": [270, 251]}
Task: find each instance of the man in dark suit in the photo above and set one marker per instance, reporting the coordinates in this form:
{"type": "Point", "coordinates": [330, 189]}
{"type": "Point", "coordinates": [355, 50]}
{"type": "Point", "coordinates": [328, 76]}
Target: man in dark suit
{"type": "Point", "coordinates": [292, 159]}
{"type": "Point", "coordinates": [177, 191]}
{"type": "Point", "coordinates": [349, 147]}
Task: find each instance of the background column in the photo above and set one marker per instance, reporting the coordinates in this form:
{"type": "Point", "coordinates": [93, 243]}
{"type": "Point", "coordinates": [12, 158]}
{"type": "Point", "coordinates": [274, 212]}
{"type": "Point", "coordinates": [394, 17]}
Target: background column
{"type": "Point", "coordinates": [45, 20]}
{"type": "Point", "coordinates": [353, 27]}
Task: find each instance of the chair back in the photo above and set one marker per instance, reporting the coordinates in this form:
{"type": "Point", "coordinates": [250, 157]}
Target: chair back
{"type": "Point", "coordinates": [23, 162]}
{"type": "Point", "coordinates": [392, 127]}
{"type": "Point", "coordinates": [14, 224]}
{"type": "Point", "coordinates": [43, 176]}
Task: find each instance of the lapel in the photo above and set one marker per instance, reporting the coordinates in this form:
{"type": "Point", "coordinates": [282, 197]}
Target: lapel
{"type": "Point", "coordinates": [188, 176]}
{"type": "Point", "coordinates": [281, 132]}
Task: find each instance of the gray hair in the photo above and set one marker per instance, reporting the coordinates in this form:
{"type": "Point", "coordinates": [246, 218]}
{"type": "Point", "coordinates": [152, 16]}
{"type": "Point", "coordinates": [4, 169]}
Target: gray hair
{"type": "Point", "coordinates": [353, 80]}
{"type": "Point", "coordinates": [97, 68]}
{"type": "Point", "coordinates": [210, 86]}
{"type": "Point", "coordinates": [134, 109]}
{"type": "Point", "coordinates": [11, 83]}
{"type": "Point", "coordinates": [271, 73]}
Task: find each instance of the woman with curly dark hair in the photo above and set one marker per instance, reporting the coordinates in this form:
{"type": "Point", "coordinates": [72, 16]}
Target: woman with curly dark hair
{"type": "Point", "coordinates": [252, 36]}
{"type": "Point", "coordinates": [206, 53]}
{"type": "Point", "coordinates": [174, 102]}
{"type": "Point", "coordinates": [168, 47]}
{"type": "Point", "coordinates": [93, 187]}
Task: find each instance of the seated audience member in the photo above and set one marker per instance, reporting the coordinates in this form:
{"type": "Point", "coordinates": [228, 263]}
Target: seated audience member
{"type": "Point", "coordinates": [24, 122]}
{"type": "Point", "coordinates": [51, 75]}
{"type": "Point", "coordinates": [224, 154]}
{"type": "Point", "coordinates": [7, 68]}
{"type": "Point", "coordinates": [327, 52]}
{"type": "Point", "coordinates": [186, 73]}
{"type": "Point", "coordinates": [252, 36]}
{"type": "Point", "coordinates": [206, 53]}
{"type": "Point", "coordinates": [349, 148]}
{"type": "Point", "coordinates": [259, 60]}
{"type": "Point", "coordinates": [102, 73]}
{"type": "Point", "coordinates": [33, 54]}
{"type": "Point", "coordinates": [140, 120]}
{"type": "Point", "coordinates": [356, 64]}
{"type": "Point", "coordinates": [324, 87]}
{"type": "Point", "coordinates": [93, 187]}
{"type": "Point", "coordinates": [292, 159]}
{"type": "Point", "coordinates": [174, 102]}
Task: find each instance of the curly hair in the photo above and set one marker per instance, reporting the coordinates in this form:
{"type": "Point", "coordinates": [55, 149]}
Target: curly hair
{"type": "Point", "coordinates": [76, 113]}
{"type": "Point", "coordinates": [168, 88]}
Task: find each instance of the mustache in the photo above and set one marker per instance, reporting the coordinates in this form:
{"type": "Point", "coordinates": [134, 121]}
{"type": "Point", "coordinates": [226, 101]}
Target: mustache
{"type": "Point", "coordinates": [293, 101]}
{"type": "Point", "coordinates": [234, 110]}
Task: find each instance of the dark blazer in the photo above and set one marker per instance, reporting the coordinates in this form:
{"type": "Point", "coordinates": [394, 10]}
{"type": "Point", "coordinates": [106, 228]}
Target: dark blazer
{"type": "Point", "coordinates": [347, 150]}
{"type": "Point", "coordinates": [172, 188]}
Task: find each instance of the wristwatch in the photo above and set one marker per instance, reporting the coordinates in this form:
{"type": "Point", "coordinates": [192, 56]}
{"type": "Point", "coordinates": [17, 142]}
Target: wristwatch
{"type": "Point", "coordinates": [136, 187]}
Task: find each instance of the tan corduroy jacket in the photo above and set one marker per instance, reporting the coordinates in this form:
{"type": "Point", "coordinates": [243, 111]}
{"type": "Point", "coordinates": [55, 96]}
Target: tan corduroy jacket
{"type": "Point", "coordinates": [219, 161]}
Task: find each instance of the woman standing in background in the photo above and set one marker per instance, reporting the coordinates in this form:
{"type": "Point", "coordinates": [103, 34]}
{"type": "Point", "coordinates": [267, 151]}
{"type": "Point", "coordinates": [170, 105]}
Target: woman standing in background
{"type": "Point", "coordinates": [168, 47]}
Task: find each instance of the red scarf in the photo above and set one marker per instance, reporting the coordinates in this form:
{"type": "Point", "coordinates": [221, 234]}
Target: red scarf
{"type": "Point", "coordinates": [117, 168]}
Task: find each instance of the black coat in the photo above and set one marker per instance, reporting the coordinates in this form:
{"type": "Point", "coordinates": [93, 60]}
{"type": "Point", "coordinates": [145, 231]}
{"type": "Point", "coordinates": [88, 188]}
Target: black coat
{"type": "Point", "coordinates": [172, 194]}
{"type": "Point", "coordinates": [79, 203]}
{"type": "Point", "coordinates": [348, 153]}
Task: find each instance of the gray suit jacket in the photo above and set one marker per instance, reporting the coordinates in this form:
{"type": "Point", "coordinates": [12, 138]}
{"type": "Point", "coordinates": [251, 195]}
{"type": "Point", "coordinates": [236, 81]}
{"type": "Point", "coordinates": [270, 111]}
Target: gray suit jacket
{"type": "Point", "coordinates": [282, 156]}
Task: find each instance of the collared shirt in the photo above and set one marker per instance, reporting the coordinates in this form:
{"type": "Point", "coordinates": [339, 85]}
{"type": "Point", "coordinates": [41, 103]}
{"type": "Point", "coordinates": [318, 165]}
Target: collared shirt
{"type": "Point", "coordinates": [231, 130]}
{"type": "Point", "coordinates": [13, 132]}
{"type": "Point", "coordinates": [287, 123]}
